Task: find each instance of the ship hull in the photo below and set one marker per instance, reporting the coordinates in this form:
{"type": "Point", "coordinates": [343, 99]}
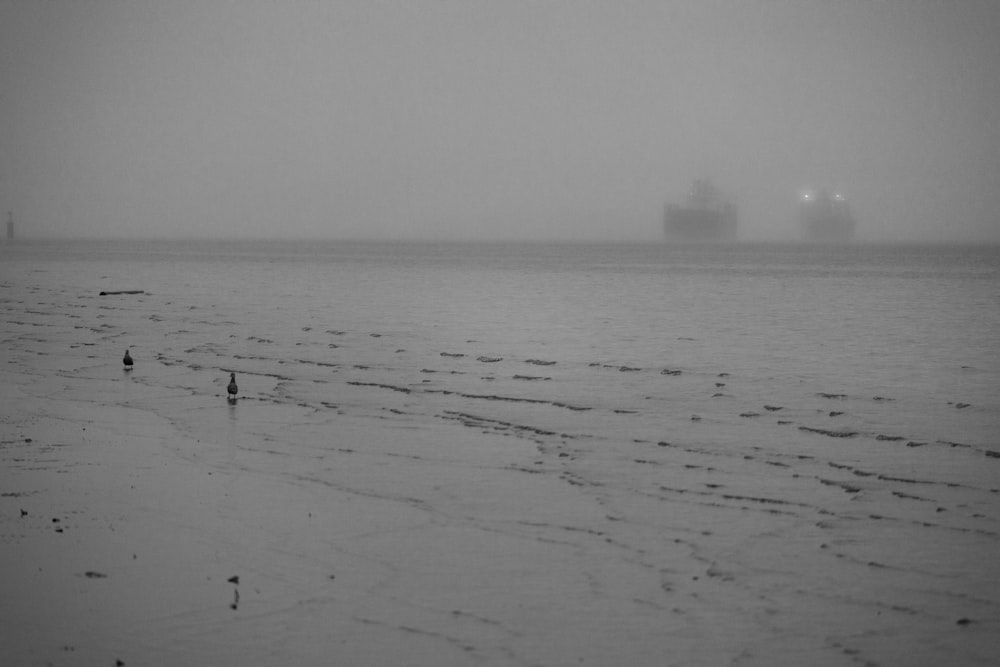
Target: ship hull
{"type": "Point", "coordinates": [828, 229]}
{"type": "Point", "coordinates": [825, 222]}
{"type": "Point", "coordinates": [699, 224]}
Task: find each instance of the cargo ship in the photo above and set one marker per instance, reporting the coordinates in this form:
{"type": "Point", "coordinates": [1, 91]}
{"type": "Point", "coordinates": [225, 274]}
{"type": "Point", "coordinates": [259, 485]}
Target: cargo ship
{"type": "Point", "coordinates": [705, 215]}
{"type": "Point", "coordinates": [825, 217]}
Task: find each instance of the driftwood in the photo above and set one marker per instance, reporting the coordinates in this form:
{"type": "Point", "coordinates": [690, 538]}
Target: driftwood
{"type": "Point", "coordinates": [124, 291]}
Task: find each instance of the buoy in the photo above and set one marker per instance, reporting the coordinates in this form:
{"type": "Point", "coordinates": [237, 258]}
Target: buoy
{"type": "Point", "coordinates": [232, 388]}
{"type": "Point", "coordinates": [127, 361]}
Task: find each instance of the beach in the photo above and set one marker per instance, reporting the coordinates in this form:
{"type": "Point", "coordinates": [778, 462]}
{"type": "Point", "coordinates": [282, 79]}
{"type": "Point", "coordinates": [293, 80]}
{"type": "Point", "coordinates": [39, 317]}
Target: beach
{"type": "Point", "coordinates": [435, 462]}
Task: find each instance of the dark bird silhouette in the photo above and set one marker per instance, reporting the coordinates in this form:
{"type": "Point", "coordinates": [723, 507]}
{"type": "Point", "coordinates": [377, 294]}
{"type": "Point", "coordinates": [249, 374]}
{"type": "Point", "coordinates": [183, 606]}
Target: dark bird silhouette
{"type": "Point", "coordinates": [232, 388]}
{"type": "Point", "coordinates": [127, 361]}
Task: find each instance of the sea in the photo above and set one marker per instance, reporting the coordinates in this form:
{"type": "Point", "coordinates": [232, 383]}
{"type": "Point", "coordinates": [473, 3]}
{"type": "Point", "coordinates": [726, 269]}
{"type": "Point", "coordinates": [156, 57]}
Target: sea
{"type": "Point", "coordinates": [915, 324]}
{"type": "Point", "coordinates": [852, 389]}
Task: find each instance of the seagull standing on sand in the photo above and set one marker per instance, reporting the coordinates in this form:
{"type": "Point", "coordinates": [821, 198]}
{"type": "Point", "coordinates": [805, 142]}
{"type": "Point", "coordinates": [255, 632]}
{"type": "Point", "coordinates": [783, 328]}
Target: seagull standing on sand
{"type": "Point", "coordinates": [232, 386]}
{"type": "Point", "coordinates": [127, 361]}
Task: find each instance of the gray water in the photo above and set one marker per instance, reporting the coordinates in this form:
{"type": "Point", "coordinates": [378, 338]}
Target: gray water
{"type": "Point", "coordinates": [911, 323]}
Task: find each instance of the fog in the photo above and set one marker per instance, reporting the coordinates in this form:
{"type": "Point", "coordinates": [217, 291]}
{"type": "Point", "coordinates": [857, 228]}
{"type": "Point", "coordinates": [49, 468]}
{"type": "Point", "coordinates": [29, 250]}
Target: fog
{"type": "Point", "coordinates": [560, 120]}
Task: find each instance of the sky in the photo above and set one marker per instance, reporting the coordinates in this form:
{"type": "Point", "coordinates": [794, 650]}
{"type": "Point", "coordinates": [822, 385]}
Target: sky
{"type": "Point", "coordinates": [537, 120]}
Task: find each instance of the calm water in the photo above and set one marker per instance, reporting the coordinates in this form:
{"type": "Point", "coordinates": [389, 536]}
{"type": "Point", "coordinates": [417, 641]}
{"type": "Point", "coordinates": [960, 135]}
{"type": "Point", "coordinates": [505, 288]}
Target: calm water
{"type": "Point", "coordinates": [913, 321]}
{"type": "Point", "coordinates": [914, 324]}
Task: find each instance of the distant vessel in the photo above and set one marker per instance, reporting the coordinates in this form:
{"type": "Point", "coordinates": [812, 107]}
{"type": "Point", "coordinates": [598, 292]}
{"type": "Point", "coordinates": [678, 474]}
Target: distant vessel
{"type": "Point", "coordinates": [10, 224]}
{"type": "Point", "coordinates": [825, 217]}
{"type": "Point", "coordinates": [706, 215]}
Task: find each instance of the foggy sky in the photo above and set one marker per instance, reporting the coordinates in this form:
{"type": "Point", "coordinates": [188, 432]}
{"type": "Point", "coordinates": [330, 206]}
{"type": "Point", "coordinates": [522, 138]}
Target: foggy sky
{"type": "Point", "coordinates": [500, 120]}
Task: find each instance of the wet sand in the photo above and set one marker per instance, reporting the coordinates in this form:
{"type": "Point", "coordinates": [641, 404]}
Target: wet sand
{"type": "Point", "coordinates": [399, 502]}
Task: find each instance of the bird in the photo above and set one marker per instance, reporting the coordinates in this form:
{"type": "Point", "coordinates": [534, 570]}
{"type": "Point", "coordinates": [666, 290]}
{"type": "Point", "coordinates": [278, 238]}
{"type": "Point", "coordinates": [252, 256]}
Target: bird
{"type": "Point", "coordinates": [232, 388]}
{"type": "Point", "coordinates": [127, 361]}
